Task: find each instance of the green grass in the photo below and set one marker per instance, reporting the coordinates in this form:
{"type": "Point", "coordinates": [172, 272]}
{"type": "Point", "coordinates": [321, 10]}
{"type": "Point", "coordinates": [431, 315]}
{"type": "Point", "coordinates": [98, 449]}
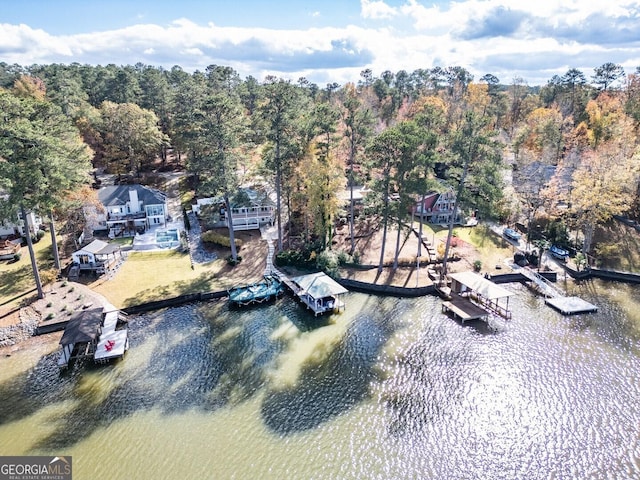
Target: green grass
{"type": "Point", "coordinates": [149, 276]}
{"type": "Point", "coordinates": [122, 241]}
{"type": "Point", "coordinates": [17, 278]}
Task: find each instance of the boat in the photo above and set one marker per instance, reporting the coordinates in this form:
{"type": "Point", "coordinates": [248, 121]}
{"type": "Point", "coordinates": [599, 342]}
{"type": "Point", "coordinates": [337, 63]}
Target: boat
{"type": "Point", "coordinates": [559, 252]}
{"type": "Point", "coordinates": [511, 234]}
{"type": "Point", "coordinates": [263, 291]}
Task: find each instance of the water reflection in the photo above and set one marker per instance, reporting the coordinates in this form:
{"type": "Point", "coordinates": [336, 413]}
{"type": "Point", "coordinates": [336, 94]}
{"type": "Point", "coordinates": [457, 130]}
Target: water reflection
{"type": "Point", "coordinates": [392, 388]}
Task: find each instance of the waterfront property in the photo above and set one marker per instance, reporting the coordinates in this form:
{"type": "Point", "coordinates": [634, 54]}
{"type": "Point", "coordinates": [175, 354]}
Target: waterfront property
{"type": "Point", "coordinates": [250, 210]}
{"type": "Point", "coordinates": [482, 291]}
{"type": "Point", "coordinates": [438, 208]}
{"type": "Point", "coordinates": [319, 292]}
{"type": "Point", "coordinates": [128, 209]}
{"type": "Point", "coordinates": [93, 333]}
{"type": "Point", "coordinates": [258, 292]}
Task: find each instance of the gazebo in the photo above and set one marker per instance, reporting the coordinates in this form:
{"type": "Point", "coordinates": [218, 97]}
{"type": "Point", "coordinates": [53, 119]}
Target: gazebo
{"type": "Point", "coordinates": [97, 256]}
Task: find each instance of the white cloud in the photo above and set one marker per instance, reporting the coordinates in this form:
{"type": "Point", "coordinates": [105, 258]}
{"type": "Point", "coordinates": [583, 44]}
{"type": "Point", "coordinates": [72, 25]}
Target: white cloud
{"type": "Point", "coordinates": [376, 9]}
{"type": "Point", "coordinates": [508, 38]}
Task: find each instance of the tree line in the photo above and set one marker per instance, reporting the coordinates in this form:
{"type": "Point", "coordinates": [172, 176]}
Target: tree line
{"type": "Point", "coordinates": [570, 145]}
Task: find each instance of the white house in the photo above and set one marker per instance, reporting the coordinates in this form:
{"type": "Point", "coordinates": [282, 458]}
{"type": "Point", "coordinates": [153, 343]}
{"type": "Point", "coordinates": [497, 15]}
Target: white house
{"type": "Point", "coordinates": [250, 209]}
{"type": "Point", "coordinates": [129, 209]}
{"type": "Point", "coordinates": [16, 227]}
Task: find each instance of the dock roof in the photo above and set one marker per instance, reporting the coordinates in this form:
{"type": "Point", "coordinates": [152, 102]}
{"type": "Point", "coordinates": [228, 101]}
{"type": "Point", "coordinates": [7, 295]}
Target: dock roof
{"type": "Point", "coordinates": [319, 285]}
{"type": "Point", "coordinates": [83, 327]}
{"type": "Point", "coordinates": [481, 285]}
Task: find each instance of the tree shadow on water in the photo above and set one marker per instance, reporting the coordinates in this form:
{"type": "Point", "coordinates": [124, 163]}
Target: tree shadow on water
{"type": "Point", "coordinates": [329, 389]}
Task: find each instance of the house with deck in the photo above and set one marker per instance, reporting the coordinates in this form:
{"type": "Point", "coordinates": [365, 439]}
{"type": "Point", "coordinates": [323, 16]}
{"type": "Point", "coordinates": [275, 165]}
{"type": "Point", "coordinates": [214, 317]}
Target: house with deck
{"type": "Point", "coordinates": [250, 209]}
{"type": "Point", "coordinates": [437, 208]}
{"type": "Point", "coordinates": [129, 209]}
{"type": "Point", "coordinates": [15, 227]}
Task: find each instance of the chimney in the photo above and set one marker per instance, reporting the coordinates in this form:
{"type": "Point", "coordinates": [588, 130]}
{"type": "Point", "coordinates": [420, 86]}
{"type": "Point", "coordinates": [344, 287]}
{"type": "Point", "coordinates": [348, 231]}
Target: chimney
{"type": "Point", "coordinates": [134, 203]}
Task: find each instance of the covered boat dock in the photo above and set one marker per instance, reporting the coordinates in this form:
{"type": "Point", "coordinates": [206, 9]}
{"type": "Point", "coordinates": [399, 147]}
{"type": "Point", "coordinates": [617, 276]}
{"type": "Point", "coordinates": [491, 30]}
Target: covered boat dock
{"type": "Point", "coordinates": [80, 336]}
{"type": "Point", "coordinates": [319, 292]}
{"type": "Point", "coordinates": [93, 333]}
{"type": "Point", "coordinates": [482, 291]}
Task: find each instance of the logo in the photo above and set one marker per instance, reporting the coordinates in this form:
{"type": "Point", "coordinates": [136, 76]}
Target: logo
{"type": "Point", "coordinates": [35, 468]}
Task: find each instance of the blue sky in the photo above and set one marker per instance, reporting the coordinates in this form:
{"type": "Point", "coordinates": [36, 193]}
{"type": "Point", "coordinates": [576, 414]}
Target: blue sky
{"type": "Point", "coordinates": [330, 40]}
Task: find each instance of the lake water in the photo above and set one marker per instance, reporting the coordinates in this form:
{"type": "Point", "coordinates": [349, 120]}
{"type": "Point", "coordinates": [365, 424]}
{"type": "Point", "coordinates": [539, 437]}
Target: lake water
{"type": "Point", "coordinates": [391, 388]}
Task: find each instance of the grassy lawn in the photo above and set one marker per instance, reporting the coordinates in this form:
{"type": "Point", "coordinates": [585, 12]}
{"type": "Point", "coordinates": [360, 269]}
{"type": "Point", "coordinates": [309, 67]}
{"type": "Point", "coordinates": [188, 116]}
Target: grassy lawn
{"type": "Point", "coordinates": [123, 241]}
{"type": "Point", "coordinates": [149, 276]}
{"type": "Point", "coordinates": [17, 278]}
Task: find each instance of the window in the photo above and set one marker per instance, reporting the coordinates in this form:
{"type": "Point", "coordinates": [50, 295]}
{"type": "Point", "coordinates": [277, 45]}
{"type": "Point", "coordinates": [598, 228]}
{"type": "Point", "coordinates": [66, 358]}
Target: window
{"type": "Point", "coordinates": [154, 210]}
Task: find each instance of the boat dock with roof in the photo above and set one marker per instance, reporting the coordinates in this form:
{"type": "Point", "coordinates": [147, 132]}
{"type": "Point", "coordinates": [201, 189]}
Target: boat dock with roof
{"type": "Point", "coordinates": [318, 292]}
{"type": "Point", "coordinates": [99, 333]}
{"type": "Point", "coordinates": [475, 297]}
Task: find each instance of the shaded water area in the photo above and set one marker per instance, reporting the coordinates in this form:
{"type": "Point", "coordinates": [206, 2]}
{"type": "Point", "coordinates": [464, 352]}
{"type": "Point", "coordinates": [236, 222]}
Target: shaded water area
{"type": "Point", "coordinates": [391, 388]}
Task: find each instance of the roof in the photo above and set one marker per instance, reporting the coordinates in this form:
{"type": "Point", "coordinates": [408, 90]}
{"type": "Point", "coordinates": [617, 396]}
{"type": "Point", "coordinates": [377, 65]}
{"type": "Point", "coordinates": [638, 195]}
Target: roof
{"type": "Point", "coordinates": [98, 247]}
{"type": "Point", "coordinates": [244, 197]}
{"type": "Point", "coordinates": [114, 195]}
{"type": "Point", "coordinates": [83, 327]}
{"type": "Point", "coordinates": [319, 285]}
{"type": "Point", "coordinates": [481, 285]}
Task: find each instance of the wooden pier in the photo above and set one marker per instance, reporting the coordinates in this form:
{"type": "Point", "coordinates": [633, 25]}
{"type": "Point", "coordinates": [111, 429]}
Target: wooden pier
{"type": "Point", "coordinates": [463, 309]}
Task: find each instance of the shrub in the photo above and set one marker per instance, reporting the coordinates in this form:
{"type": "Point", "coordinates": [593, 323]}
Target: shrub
{"type": "Point", "coordinates": [233, 262]}
{"type": "Point", "coordinates": [211, 236]}
{"type": "Point", "coordinates": [49, 275]}
{"type": "Point", "coordinates": [293, 258]}
{"type": "Point", "coordinates": [328, 261]}
{"type": "Point", "coordinates": [17, 257]}
{"type": "Point", "coordinates": [477, 265]}
{"type": "Point", "coordinates": [49, 316]}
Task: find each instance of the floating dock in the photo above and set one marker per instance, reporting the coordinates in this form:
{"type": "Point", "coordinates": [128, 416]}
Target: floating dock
{"type": "Point", "coordinates": [571, 305]}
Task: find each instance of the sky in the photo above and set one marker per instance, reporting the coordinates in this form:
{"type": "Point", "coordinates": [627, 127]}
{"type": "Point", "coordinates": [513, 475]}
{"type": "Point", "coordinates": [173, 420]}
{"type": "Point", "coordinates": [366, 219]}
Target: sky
{"type": "Point", "coordinates": [329, 40]}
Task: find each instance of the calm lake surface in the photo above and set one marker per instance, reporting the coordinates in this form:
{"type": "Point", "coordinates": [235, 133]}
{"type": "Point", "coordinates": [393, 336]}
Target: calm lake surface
{"type": "Point", "coordinates": [392, 388]}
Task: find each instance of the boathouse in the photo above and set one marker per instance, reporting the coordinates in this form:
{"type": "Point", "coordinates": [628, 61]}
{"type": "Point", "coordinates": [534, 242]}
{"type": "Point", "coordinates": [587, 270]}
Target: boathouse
{"type": "Point", "coordinates": [319, 292]}
{"type": "Point", "coordinates": [482, 291]}
{"type": "Point", "coordinates": [80, 336]}
{"type": "Point", "coordinates": [93, 333]}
